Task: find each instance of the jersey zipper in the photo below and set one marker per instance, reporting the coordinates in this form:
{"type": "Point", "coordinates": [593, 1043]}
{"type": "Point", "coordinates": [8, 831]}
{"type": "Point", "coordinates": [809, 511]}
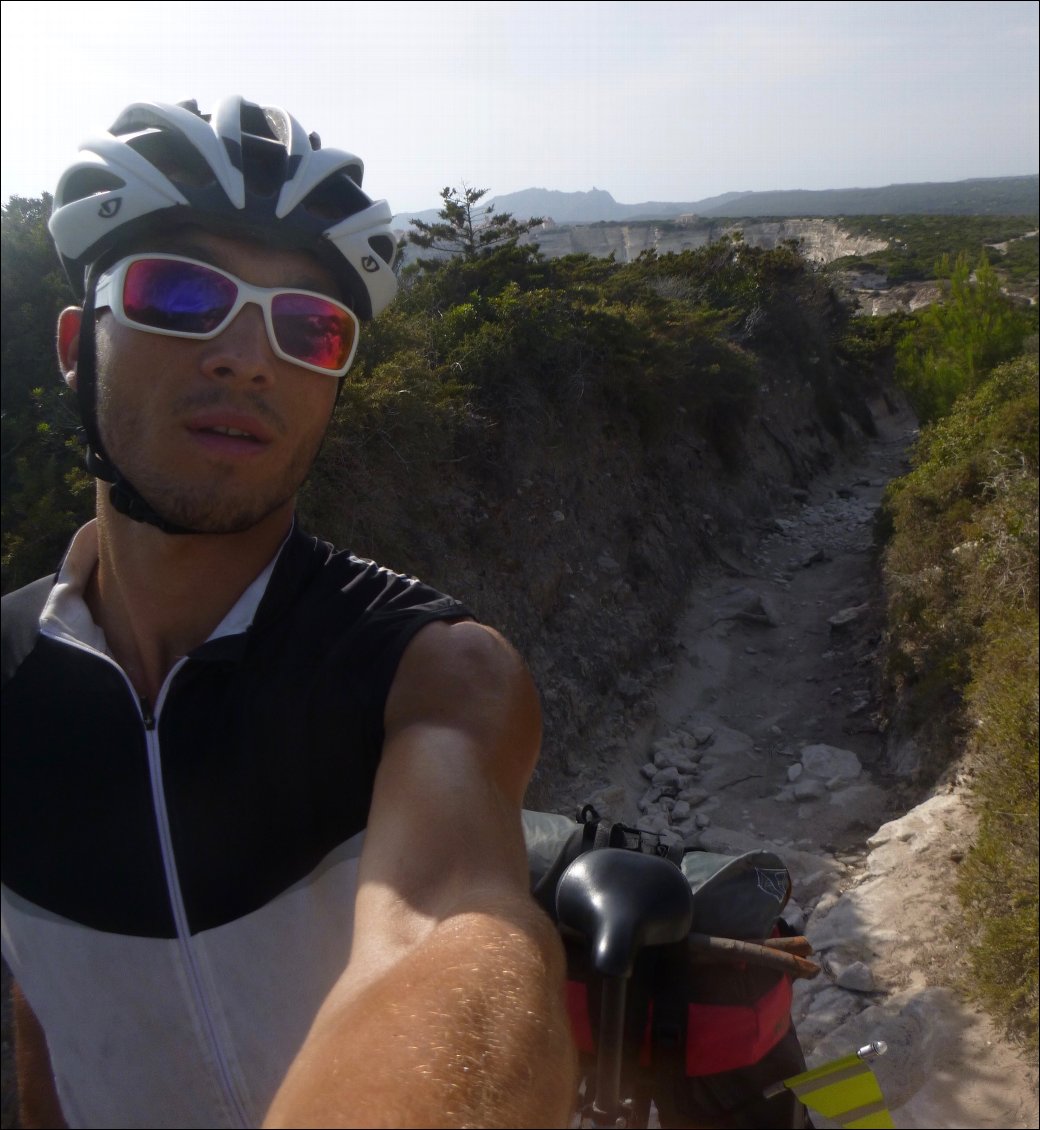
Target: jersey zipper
{"type": "Point", "coordinates": [173, 884]}
{"type": "Point", "coordinates": [150, 725]}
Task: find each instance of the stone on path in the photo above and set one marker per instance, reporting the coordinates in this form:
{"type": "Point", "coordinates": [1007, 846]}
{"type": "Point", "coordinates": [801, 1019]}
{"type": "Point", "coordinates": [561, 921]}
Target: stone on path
{"type": "Point", "coordinates": [829, 1008]}
{"type": "Point", "coordinates": [794, 916]}
{"type": "Point", "coordinates": [843, 620]}
{"type": "Point", "coordinates": [817, 557]}
{"type": "Point", "coordinates": [808, 789]}
{"type": "Point", "coordinates": [933, 819]}
{"type": "Point", "coordinates": [828, 762]}
{"type": "Point", "coordinates": [668, 779]}
{"type": "Point", "coordinates": [748, 606]}
{"type": "Point", "coordinates": [856, 977]}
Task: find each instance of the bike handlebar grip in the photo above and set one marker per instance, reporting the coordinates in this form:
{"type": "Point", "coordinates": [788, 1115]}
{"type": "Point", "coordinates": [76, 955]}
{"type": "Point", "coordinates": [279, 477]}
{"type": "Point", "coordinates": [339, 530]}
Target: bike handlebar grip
{"type": "Point", "coordinates": [622, 901]}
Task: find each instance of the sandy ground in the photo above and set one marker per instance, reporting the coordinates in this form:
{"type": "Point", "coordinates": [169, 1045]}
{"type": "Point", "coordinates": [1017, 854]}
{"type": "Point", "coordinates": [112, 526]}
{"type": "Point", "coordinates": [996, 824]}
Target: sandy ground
{"type": "Point", "coordinates": [778, 660]}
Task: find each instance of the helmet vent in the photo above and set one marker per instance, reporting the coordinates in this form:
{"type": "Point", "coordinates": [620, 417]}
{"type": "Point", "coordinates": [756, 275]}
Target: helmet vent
{"type": "Point", "coordinates": [383, 246]}
{"type": "Point", "coordinates": [90, 182]}
{"type": "Point", "coordinates": [335, 199]}
{"type": "Point", "coordinates": [263, 164]}
{"type": "Point", "coordinates": [261, 124]}
{"type": "Point", "coordinates": [174, 157]}
{"type": "Point", "coordinates": [278, 127]}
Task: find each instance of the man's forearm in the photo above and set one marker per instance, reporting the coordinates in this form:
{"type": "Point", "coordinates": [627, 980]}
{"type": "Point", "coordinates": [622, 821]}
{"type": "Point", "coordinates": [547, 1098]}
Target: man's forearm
{"type": "Point", "coordinates": [37, 1097]}
{"type": "Point", "coordinates": [469, 1029]}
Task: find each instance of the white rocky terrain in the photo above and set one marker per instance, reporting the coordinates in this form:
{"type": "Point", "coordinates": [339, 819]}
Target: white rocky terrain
{"type": "Point", "coordinates": [765, 733]}
{"type": "Point", "coordinates": [822, 240]}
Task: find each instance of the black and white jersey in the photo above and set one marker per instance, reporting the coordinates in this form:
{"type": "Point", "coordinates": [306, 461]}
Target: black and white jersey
{"type": "Point", "coordinates": [179, 877]}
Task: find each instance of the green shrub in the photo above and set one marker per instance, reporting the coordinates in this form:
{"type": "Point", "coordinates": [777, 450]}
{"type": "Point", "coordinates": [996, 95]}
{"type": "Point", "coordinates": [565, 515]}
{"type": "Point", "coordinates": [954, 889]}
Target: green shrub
{"type": "Point", "coordinates": [961, 573]}
{"type": "Point", "coordinates": [999, 879]}
{"type": "Point", "coordinates": [954, 344]}
{"type": "Point", "coordinates": [917, 242]}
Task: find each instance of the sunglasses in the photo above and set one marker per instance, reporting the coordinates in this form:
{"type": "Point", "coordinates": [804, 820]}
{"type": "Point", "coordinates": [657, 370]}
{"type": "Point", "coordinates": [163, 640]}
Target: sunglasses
{"type": "Point", "coordinates": [179, 297]}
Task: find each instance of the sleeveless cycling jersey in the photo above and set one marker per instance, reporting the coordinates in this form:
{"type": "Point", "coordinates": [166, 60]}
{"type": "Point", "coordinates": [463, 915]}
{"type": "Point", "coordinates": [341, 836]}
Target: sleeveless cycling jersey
{"type": "Point", "coordinates": [179, 877]}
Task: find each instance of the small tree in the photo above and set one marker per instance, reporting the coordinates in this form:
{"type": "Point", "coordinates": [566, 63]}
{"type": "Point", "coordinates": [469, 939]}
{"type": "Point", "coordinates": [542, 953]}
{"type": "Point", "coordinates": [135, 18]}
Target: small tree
{"type": "Point", "coordinates": [45, 493]}
{"type": "Point", "coordinates": [953, 345]}
{"type": "Point", "coordinates": [466, 229]}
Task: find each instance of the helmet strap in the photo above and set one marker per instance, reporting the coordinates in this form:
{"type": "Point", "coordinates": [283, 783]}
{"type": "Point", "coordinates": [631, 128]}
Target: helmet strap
{"type": "Point", "coordinates": [123, 494]}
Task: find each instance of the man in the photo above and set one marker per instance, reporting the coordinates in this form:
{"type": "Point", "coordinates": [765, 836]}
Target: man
{"type": "Point", "coordinates": [207, 713]}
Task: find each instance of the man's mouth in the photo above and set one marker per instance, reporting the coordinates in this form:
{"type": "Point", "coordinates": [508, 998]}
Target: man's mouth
{"type": "Point", "coordinates": [229, 437]}
{"type": "Point", "coordinates": [240, 427]}
{"type": "Point", "coordinates": [231, 432]}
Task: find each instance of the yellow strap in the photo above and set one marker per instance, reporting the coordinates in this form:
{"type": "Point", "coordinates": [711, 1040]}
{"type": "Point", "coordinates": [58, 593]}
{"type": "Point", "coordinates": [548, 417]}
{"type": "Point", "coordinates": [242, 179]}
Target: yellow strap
{"type": "Point", "coordinates": [803, 1085]}
{"type": "Point", "coordinates": [874, 1117]}
{"type": "Point", "coordinates": [826, 1069]}
{"type": "Point", "coordinates": [845, 1090]}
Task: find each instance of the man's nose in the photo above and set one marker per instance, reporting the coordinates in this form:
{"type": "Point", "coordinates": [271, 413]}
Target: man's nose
{"type": "Point", "coordinates": [242, 351]}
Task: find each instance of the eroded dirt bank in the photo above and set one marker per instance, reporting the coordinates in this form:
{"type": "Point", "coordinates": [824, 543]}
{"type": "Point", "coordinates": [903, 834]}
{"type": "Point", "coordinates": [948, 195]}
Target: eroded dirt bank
{"type": "Point", "coordinates": [766, 731]}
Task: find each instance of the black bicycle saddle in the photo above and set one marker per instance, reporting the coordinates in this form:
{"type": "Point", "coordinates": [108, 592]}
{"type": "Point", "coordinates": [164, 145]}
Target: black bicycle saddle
{"type": "Point", "coordinates": [622, 901]}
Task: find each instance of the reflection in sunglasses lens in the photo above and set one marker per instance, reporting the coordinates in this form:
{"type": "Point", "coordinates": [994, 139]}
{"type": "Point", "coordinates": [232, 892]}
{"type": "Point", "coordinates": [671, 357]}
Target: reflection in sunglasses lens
{"type": "Point", "coordinates": [177, 296]}
{"type": "Point", "coordinates": [312, 330]}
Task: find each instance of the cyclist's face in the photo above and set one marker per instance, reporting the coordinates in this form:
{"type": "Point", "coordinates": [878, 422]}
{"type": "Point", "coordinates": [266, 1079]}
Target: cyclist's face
{"type": "Point", "coordinates": [216, 435]}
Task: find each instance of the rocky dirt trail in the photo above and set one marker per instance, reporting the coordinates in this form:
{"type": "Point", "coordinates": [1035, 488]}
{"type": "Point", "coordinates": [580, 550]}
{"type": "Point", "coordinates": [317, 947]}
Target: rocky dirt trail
{"type": "Point", "coordinates": [765, 734]}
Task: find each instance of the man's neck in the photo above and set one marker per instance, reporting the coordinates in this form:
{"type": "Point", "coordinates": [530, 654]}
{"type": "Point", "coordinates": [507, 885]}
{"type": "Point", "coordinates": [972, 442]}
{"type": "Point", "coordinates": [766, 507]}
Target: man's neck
{"type": "Point", "coordinates": [157, 596]}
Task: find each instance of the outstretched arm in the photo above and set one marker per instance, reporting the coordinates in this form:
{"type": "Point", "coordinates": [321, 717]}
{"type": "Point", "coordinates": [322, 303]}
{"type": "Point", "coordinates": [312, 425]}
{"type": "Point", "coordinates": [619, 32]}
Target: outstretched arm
{"type": "Point", "coordinates": [450, 1012]}
{"type": "Point", "coordinates": [38, 1105]}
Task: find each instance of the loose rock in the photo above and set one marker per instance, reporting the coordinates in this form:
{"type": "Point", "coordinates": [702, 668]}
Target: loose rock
{"type": "Point", "coordinates": [807, 789]}
{"type": "Point", "coordinates": [841, 621]}
{"type": "Point", "coordinates": [857, 977]}
{"type": "Point", "coordinates": [827, 762]}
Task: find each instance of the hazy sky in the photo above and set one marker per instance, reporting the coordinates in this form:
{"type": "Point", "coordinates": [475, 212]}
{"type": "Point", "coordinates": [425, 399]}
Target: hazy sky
{"type": "Point", "coordinates": [652, 101]}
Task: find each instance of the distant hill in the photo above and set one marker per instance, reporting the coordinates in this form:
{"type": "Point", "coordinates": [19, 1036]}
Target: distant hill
{"type": "Point", "coordinates": [598, 205]}
{"type": "Point", "coordinates": [1012, 196]}
{"type": "Point", "coordinates": [986, 196]}
{"type": "Point", "coordinates": [592, 207]}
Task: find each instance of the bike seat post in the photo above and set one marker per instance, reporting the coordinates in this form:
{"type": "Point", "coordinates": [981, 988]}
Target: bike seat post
{"type": "Point", "coordinates": [606, 1105]}
{"type": "Point", "coordinates": [620, 901]}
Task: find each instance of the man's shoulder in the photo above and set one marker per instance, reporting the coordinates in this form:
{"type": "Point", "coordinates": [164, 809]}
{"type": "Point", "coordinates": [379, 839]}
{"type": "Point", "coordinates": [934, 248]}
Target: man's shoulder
{"type": "Point", "coordinates": [313, 570]}
{"type": "Point", "coordinates": [346, 613]}
{"type": "Point", "coordinates": [21, 621]}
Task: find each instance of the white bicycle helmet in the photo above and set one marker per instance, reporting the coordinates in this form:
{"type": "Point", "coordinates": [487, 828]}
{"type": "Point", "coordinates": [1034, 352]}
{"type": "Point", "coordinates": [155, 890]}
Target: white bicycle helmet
{"type": "Point", "coordinates": [246, 169]}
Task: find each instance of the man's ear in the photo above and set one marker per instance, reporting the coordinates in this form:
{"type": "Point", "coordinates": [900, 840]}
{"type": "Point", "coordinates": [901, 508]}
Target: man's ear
{"type": "Point", "coordinates": [68, 342]}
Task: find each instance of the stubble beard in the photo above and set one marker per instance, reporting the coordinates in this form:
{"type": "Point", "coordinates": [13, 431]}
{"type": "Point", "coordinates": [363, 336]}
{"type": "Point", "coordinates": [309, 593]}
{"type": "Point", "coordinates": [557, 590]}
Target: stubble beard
{"type": "Point", "coordinates": [213, 501]}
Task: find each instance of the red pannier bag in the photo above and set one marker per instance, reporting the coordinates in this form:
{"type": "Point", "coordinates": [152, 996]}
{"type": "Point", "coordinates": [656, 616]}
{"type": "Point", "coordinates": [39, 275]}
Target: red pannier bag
{"type": "Point", "coordinates": [702, 1039]}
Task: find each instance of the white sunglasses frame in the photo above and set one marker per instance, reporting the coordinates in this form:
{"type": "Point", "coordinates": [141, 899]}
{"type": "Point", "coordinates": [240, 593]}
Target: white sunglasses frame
{"type": "Point", "coordinates": [109, 295]}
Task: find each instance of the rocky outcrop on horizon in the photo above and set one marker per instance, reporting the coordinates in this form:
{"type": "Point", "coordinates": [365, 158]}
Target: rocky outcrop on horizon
{"type": "Point", "coordinates": [821, 241]}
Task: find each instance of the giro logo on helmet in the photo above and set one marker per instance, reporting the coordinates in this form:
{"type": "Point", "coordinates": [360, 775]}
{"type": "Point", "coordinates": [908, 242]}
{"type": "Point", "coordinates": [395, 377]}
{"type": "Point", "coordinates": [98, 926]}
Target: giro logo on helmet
{"type": "Point", "coordinates": [370, 264]}
{"type": "Point", "coordinates": [110, 207]}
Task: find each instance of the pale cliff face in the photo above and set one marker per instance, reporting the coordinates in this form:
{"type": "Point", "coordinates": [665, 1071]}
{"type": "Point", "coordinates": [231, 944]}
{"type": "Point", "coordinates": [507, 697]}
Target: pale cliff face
{"type": "Point", "coordinates": [823, 240]}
